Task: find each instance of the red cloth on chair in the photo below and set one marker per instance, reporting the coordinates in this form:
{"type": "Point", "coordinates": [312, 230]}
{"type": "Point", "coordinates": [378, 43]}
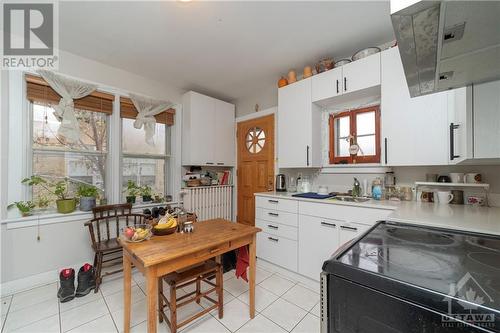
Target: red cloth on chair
{"type": "Point", "coordinates": [242, 262]}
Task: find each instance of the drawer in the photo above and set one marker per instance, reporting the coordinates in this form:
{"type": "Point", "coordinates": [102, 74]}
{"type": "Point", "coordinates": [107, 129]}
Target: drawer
{"type": "Point", "coordinates": [278, 250]}
{"type": "Point", "coordinates": [277, 216]}
{"type": "Point", "coordinates": [277, 229]}
{"type": "Point", "coordinates": [350, 231]}
{"type": "Point", "coordinates": [344, 213]}
{"type": "Point", "coordinates": [284, 205]}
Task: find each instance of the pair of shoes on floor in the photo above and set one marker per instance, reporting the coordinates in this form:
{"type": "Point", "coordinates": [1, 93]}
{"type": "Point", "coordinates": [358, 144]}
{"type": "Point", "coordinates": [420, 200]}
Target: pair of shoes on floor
{"type": "Point", "coordinates": [86, 282]}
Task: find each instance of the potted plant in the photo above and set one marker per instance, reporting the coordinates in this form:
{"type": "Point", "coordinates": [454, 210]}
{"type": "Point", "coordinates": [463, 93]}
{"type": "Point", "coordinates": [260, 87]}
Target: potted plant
{"type": "Point", "coordinates": [158, 198]}
{"type": "Point", "coordinates": [24, 207]}
{"type": "Point", "coordinates": [132, 191]}
{"type": "Point", "coordinates": [146, 193]}
{"type": "Point", "coordinates": [87, 195]}
{"type": "Point", "coordinates": [64, 204]}
{"type": "Point", "coordinates": [42, 202]}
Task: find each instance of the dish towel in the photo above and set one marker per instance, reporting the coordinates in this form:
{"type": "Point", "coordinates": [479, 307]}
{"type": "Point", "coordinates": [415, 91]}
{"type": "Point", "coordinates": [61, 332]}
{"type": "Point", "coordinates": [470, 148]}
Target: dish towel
{"type": "Point", "coordinates": [242, 263]}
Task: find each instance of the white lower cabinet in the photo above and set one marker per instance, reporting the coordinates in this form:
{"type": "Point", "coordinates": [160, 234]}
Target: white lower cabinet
{"type": "Point", "coordinates": [318, 238]}
{"type": "Point", "coordinates": [278, 250]}
{"type": "Point", "coordinates": [350, 231]}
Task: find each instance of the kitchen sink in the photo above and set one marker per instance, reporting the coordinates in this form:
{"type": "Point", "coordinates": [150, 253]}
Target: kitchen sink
{"type": "Point", "coordinates": [350, 198]}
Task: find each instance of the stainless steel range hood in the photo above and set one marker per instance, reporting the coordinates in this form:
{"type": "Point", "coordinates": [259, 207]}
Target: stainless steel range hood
{"type": "Point", "coordinates": [447, 44]}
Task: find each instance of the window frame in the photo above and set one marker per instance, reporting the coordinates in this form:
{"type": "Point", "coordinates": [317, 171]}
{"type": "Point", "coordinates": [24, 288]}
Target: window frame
{"type": "Point", "coordinates": [354, 159]}
{"type": "Point", "coordinates": [31, 151]}
{"type": "Point", "coordinates": [166, 159]}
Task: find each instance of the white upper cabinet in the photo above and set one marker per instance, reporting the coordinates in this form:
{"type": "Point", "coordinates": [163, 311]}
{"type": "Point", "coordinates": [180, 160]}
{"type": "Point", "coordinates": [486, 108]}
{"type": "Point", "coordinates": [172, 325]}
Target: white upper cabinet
{"type": "Point", "coordinates": [486, 120]}
{"type": "Point", "coordinates": [414, 130]}
{"type": "Point", "coordinates": [475, 123]}
{"type": "Point", "coordinates": [207, 131]}
{"type": "Point", "coordinates": [355, 76]}
{"type": "Point", "coordinates": [327, 84]}
{"type": "Point", "coordinates": [361, 74]}
{"type": "Point", "coordinates": [299, 127]}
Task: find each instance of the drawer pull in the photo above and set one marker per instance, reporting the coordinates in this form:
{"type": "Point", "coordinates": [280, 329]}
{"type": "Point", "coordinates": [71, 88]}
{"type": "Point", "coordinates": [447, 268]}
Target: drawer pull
{"type": "Point", "coordinates": [328, 224]}
{"type": "Point", "coordinates": [273, 214]}
{"type": "Point", "coordinates": [214, 250]}
{"type": "Point", "coordinates": [275, 227]}
{"type": "Point", "coordinates": [272, 239]}
{"type": "Point", "coordinates": [348, 228]}
{"type": "Point", "coordinates": [273, 201]}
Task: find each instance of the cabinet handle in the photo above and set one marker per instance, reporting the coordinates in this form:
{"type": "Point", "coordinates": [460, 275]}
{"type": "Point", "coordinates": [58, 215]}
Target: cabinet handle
{"type": "Point", "coordinates": [328, 224]}
{"type": "Point", "coordinates": [337, 86]}
{"type": "Point", "coordinates": [348, 228]}
{"type": "Point", "coordinates": [210, 163]}
{"type": "Point", "coordinates": [307, 152]}
{"type": "Point", "coordinates": [219, 163]}
{"type": "Point", "coordinates": [273, 201]}
{"type": "Point", "coordinates": [345, 83]}
{"type": "Point", "coordinates": [385, 149]}
{"type": "Point", "coordinates": [453, 127]}
{"type": "Point", "coordinates": [273, 239]}
{"type": "Point", "coordinates": [275, 227]}
{"type": "Point", "coordinates": [273, 214]}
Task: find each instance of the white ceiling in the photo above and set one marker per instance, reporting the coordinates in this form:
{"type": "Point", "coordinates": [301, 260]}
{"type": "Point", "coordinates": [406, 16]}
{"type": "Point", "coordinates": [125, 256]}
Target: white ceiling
{"type": "Point", "coordinates": [225, 49]}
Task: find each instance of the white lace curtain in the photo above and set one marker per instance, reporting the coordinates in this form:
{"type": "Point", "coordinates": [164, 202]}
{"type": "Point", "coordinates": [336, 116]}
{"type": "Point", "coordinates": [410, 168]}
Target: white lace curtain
{"type": "Point", "coordinates": [147, 108]}
{"type": "Point", "coordinates": [69, 90]}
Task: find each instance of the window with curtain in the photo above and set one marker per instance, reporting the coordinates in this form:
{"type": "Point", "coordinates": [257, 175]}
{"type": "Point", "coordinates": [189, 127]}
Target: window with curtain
{"type": "Point", "coordinates": [82, 162]}
{"type": "Point", "coordinates": [355, 136]}
{"type": "Point", "coordinates": [143, 163]}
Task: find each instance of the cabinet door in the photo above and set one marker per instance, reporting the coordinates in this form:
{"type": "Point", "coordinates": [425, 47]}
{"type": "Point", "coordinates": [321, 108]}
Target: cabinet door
{"type": "Point", "coordinates": [486, 114]}
{"type": "Point", "coordinates": [350, 231]}
{"type": "Point", "coordinates": [361, 74]}
{"type": "Point", "coordinates": [224, 133]}
{"type": "Point", "coordinates": [295, 125]}
{"type": "Point", "coordinates": [202, 124]}
{"type": "Point", "coordinates": [327, 84]}
{"type": "Point", "coordinates": [414, 130]}
{"type": "Point", "coordinates": [318, 239]}
{"type": "Point", "coordinates": [278, 250]}
{"type": "Point", "coordinates": [460, 126]}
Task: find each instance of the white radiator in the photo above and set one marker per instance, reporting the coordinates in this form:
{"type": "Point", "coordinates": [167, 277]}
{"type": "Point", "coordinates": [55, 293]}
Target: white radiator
{"type": "Point", "coordinates": [209, 202]}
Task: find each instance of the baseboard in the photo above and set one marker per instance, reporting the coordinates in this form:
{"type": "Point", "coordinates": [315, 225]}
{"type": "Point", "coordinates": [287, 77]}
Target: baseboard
{"type": "Point", "coordinates": [307, 282]}
{"type": "Point", "coordinates": [33, 281]}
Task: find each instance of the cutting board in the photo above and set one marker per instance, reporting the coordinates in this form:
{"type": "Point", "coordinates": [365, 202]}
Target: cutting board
{"type": "Point", "coordinates": [312, 195]}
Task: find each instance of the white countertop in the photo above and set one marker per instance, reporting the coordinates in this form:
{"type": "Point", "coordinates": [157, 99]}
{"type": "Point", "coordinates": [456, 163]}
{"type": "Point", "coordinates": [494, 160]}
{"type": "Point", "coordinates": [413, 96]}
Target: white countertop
{"type": "Point", "coordinates": [457, 217]}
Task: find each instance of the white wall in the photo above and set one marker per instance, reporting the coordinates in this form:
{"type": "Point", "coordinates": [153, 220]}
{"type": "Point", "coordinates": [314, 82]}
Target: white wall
{"type": "Point", "coordinates": [67, 243]}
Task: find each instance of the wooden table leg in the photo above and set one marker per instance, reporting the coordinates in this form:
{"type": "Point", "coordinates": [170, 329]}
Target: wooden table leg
{"type": "Point", "coordinates": [152, 298]}
{"type": "Point", "coordinates": [127, 286]}
{"type": "Point", "coordinates": [251, 281]}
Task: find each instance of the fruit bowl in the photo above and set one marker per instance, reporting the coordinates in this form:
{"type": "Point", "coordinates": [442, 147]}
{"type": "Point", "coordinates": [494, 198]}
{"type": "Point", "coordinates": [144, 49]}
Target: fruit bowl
{"type": "Point", "coordinates": [164, 231]}
{"type": "Point", "coordinates": [166, 226]}
{"type": "Point", "coordinates": [136, 233]}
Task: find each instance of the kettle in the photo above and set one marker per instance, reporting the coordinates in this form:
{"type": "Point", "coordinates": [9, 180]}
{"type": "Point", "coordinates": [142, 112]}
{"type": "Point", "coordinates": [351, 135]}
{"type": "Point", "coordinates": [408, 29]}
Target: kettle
{"type": "Point", "coordinates": [280, 183]}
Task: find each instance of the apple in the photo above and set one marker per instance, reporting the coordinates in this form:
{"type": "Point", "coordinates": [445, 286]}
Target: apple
{"type": "Point", "coordinates": [129, 233]}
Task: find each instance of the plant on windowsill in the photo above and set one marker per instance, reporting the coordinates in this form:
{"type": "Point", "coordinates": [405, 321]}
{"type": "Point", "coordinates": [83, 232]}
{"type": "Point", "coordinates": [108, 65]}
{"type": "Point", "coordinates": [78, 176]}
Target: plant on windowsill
{"type": "Point", "coordinates": [146, 193]}
{"type": "Point", "coordinates": [64, 204]}
{"type": "Point", "coordinates": [132, 191]}
{"type": "Point", "coordinates": [24, 207]}
{"type": "Point", "coordinates": [88, 195]}
{"type": "Point", "coordinates": [158, 198]}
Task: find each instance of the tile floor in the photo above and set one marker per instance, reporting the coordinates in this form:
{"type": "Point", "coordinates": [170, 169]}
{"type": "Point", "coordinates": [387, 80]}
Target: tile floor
{"type": "Point", "coordinates": [282, 305]}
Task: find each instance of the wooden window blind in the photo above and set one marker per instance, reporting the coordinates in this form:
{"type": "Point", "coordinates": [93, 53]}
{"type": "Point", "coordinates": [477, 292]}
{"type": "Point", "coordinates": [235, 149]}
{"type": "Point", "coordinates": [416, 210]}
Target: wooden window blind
{"type": "Point", "coordinates": [128, 110]}
{"type": "Point", "coordinates": [38, 90]}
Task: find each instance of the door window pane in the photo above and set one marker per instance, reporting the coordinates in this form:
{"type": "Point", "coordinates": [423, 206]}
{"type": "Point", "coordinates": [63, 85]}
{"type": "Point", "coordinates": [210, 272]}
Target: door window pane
{"type": "Point", "coordinates": [134, 141]}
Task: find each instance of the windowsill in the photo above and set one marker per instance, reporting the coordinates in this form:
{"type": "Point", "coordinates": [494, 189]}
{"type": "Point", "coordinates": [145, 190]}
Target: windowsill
{"type": "Point", "coordinates": [366, 168]}
{"type": "Point", "coordinates": [54, 217]}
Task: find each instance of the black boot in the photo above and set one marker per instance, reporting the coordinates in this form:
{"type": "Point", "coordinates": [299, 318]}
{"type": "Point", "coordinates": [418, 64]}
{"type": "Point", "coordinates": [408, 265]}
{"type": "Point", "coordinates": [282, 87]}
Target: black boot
{"type": "Point", "coordinates": [67, 285]}
{"type": "Point", "coordinates": [86, 280]}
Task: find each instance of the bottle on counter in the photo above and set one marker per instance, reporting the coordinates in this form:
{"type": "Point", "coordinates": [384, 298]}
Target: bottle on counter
{"type": "Point", "coordinates": [377, 189]}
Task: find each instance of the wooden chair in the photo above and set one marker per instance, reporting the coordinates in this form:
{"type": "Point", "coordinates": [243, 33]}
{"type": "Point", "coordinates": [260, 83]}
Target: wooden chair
{"type": "Point", "coordinates": [193, 275]}
{"type": "Point", "coordinates": [104, 231]}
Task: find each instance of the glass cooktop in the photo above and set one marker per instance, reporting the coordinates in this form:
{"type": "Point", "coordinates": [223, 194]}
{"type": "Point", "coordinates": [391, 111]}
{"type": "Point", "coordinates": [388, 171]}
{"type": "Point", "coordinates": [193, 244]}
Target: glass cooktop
{"type": "Point", "coordinates": [465, 265]}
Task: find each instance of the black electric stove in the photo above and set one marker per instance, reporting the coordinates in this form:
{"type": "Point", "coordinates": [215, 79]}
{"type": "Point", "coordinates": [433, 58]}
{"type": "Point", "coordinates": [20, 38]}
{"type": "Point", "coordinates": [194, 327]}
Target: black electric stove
{"type": "Point", "coordinates": [405, 278]}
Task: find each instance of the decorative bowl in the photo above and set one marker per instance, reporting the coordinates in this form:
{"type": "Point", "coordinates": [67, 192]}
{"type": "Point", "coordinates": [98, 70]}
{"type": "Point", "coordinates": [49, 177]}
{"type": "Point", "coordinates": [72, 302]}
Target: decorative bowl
{"type": "Point", "coordinates": [136, 233]}
{"type": "Point", "coordinates": [365, 53]}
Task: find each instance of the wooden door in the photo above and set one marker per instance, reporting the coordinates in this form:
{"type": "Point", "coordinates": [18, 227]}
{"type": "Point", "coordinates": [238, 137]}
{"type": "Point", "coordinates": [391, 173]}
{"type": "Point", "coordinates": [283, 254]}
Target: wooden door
{"type": "Point", "coordinates": [255, 164]}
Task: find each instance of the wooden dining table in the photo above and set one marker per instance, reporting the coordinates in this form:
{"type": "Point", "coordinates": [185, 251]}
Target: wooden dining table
{"type": "Point", "coordinates": [161, 255]}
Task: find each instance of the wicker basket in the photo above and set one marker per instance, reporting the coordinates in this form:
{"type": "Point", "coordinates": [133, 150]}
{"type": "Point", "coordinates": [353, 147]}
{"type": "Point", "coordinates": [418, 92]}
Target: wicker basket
{"type": "Point", "coordinates": [193, 182]}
